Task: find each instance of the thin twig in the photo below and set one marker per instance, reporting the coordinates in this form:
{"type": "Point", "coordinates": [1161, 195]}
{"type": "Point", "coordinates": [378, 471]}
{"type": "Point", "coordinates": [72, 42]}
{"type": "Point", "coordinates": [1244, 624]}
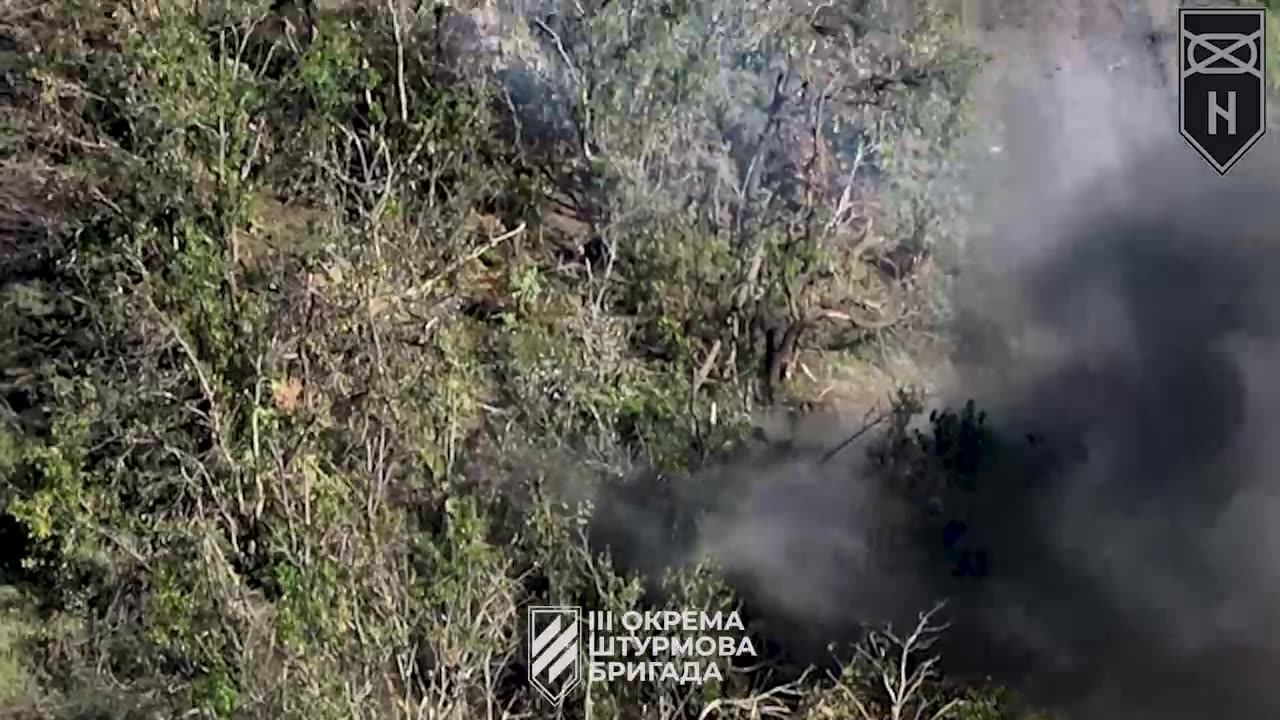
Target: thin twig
{"type": "Point", "coordinates": [400, 82]}
{"type": "Point", "coordinates": [866, 427]}
{"type": "Point", "coordinates": [453, 267]}
{"type": "Point", "coordinates": [707, 365]}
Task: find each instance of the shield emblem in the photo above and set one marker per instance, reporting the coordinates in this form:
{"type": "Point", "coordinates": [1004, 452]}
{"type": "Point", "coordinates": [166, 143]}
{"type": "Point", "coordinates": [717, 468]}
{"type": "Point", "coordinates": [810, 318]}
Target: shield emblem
{"type": "Point", "coordinates": [554, 651]}
{"type": "Point", "coordinates": [1222, 92]}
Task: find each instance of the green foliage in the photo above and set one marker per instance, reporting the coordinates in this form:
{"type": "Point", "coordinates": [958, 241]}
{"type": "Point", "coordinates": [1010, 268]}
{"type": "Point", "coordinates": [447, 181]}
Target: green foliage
{"type": "Point", "coordinates": [218, 693]}
{"type": "Point", "coordinates": [17, 684]}
{"type": "Point", "coordinates": [258, 413]}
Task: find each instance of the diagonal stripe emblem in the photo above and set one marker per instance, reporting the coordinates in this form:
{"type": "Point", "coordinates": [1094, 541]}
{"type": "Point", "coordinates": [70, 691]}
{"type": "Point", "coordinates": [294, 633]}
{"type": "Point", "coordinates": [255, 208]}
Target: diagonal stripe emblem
{"type": "Point", "coordinates": [554, 651]}
{"type": "Point", "coordinates": [559, 642]}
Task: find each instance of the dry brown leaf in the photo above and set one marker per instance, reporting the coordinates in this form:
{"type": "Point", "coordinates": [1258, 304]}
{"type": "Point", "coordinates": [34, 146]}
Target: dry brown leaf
{"type": "Point", "coordinates": [287, 394]}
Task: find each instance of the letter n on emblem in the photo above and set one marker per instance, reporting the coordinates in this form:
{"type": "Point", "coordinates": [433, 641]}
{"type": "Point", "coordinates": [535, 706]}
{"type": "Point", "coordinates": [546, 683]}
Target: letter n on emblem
{"type": "Point", "coordinates": [1222, 90]}
{"type": "Point", "coordinates": [554, 651]}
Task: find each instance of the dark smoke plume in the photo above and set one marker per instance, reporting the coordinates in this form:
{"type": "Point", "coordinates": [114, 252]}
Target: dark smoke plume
{"type": "Point", "coordinates": [1123, 318]}
{"type": "Point", "coordinates": [1138, 574]}
{"type": "Point", "coordinates": [1144, 335]}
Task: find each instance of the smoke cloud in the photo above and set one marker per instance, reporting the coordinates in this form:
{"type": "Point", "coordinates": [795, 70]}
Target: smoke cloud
{"type": "Point", "coordinates": [1123, 306]}
{"type": "Point", "coordinates": [1143, 332]}
{"type": "Point", "coordinates": [1126, 306]}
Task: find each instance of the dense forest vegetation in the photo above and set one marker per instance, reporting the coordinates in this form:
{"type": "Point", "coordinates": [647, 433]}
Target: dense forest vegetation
{"type": "Point", "coordinates": [327, 328]}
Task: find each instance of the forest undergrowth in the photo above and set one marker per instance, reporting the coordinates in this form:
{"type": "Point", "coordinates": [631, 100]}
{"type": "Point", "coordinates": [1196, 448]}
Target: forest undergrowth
{"type": "Point", "coordinates": [310, 315]}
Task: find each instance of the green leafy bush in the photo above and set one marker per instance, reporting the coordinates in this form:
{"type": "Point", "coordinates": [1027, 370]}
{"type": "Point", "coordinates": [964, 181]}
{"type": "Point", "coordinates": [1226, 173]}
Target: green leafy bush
{"type": "Point", "coordinates": [265, 410]}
